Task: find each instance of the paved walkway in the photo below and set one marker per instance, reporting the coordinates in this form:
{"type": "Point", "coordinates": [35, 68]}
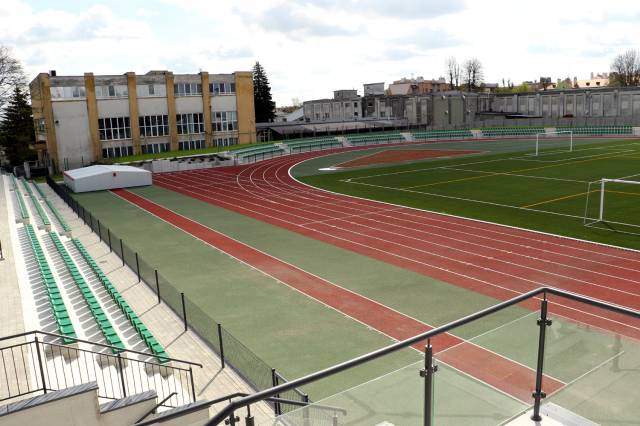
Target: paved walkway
{"type": "Point", "coordinates": [211, 381]}
{"type": "Point", "coordinates": [11, 320]}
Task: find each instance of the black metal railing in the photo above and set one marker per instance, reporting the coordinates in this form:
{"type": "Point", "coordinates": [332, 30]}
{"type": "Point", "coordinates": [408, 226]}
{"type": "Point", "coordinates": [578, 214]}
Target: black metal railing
{"type": "Point", "coordinates": [227, 414]}
{"type": "Point", "coordinates": [37, 362]}
{"type": "Point", "coordinates": [232, 351]}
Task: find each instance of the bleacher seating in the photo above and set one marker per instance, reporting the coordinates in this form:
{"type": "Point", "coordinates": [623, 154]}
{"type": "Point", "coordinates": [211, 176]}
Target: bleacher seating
{"type": "Point", "coordinates": [108, 331]}
{"type": "Point", "coordinates": [135, 321]}
{"type": "Point", "coordinates": [41, 213]}
{"type": "Point", "coordinates": [54, 210]}
{"type": "Point", "coordinates": [375, 138]}
{"type": "Point", "coordinates": [58, 307]}
{"type": "Point", "coordinates": [489, 132]}
{"type": "Point", "coordinates": [598, 130]}
{"type": "Point", "coordinates": [442, 134]}
{"type": "Point", "coordinates": [258, 153]}
{"type": "Point", "coordinates": [24, 213]}
{"type": "Point", "coordinates": [309, 144]}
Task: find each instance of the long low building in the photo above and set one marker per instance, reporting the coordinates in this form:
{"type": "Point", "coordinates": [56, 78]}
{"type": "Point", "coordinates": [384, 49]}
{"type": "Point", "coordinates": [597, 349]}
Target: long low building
{"type": "Point", "coordinates": [82, 119]}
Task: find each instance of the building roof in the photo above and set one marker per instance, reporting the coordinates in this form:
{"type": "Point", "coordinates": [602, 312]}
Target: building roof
{"type": "Point", "coordinates": [101, 169]}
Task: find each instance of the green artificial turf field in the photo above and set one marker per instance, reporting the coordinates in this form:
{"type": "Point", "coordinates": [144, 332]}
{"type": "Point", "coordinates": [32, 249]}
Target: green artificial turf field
{"type": "Point", "coordinates": [547, 192]}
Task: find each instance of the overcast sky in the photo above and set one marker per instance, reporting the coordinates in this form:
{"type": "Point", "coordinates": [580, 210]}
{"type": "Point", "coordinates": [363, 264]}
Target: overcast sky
{"type": "Point", "coordinates": [311, 47]}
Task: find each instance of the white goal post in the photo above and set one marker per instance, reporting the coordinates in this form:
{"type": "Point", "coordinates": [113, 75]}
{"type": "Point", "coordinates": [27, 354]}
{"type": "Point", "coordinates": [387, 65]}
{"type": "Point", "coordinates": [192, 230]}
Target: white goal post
{"type": "Point", "coordinates": [554, 134]}
{"type": "Point", "coordinates": [600, 186]}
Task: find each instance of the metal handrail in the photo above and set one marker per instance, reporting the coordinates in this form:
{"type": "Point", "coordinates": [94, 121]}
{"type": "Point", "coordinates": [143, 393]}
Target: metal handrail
{"type": "Point", "coordinates": [318, 375]}
{"type": "Point", "coordinates": [241, 394]}
{"type": "Point", "coordinates": [75, 339]}
{"type": "Point", "coordinates": [148, 413]}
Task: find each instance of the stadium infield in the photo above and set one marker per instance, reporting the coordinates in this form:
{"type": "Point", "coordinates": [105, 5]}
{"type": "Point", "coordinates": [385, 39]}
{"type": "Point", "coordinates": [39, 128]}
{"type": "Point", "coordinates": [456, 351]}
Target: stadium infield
{"type": "Point", "coordinates": [581, 347]}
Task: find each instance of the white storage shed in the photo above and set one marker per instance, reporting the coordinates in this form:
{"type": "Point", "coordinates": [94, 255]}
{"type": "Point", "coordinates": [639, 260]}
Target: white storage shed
{"type": "Point", "coordinates": [101, 177]}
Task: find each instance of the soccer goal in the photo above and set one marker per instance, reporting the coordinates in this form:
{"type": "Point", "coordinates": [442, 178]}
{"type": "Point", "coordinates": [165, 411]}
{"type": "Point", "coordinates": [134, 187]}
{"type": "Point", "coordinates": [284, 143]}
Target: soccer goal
{"type": "Point", "coordinates": [561, 140]}
{"type": "Point", "coordinates": [613, 204]}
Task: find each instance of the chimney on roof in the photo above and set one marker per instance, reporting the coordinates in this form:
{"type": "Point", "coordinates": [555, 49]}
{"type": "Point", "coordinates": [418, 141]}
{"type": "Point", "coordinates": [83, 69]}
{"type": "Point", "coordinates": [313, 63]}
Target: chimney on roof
{"type": "Point", "coordinates": [52, 73]}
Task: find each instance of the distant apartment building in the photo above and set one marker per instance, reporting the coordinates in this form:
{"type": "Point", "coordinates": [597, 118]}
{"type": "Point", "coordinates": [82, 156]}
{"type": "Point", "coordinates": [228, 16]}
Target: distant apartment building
{"type": "Point", "coordinates": [82, 119]}
{"type": "Point", "coordinates": [346, 105]}
{"type": "Point", "coordinates": [417, 86]}
{"type": "Point", "coordinates": [371, 89]}
{"type": "Point", "coordinates": [596, 80]}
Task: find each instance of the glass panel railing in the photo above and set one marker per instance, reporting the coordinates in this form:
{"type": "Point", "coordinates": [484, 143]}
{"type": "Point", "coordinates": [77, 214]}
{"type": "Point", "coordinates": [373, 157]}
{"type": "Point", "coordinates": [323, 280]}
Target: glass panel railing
{"type": "Point", "coordinates": [595, 354]}
{"type": "Point", "coordinates": [485, 378]}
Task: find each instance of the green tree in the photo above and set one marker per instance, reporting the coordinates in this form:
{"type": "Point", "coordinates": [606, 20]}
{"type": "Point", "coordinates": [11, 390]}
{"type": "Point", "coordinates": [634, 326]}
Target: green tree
{"type": "Point", "coordinates": [16, 128]}
{"type": "Point", "coordinates": [264, 105]}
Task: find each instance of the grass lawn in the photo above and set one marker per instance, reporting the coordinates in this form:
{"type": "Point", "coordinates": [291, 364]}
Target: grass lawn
{"type": "Point", "coordinates": [546, 193]}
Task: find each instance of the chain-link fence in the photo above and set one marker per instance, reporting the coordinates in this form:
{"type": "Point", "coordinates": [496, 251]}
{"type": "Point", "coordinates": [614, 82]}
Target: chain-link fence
{"type": "Point", "coordinates": [231, 351]}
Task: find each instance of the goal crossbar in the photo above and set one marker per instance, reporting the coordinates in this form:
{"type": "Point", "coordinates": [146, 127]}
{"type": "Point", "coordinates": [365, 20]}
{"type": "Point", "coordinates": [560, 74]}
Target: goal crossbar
{"type": "Point", "coordinates": [546, 135]}
{"type": "Point", "coordinates": [602, 183]}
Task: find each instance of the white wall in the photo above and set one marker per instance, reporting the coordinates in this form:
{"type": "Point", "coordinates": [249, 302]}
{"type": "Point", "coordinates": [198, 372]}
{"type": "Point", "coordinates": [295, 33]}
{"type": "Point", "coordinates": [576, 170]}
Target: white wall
{"type": "Point", "coordinates": [72, 132]}
{"type": "Point", "coordinates": [152, 106]}
{"type": "Point", "coordinates": [113, 108]}
{"type": "Point", "coordinates": [186, 104]}
{"type": "Point", "coordinates": [224, 103]}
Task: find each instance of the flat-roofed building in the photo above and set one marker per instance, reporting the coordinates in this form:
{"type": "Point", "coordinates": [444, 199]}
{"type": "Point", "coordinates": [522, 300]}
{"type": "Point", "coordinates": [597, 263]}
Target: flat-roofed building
{"type": "Point", "coordinates": [82, 119]}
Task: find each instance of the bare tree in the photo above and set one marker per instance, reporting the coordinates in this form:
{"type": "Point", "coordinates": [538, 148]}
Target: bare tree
{"type": "Point", "coordinates": [453, 73]}
{"type": "Point", "coordinates": [11, 75]}
{"type": "Point", "coordinates": [473, 74]}
{"type": "Point", "coordinates": [625, 69]}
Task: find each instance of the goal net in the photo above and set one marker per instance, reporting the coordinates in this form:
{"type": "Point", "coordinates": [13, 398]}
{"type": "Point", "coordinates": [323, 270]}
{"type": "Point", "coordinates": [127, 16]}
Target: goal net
{"type": "Point", "coordinates": [613, 204]}
{"type": "Point", "coordinates": [557, 141]}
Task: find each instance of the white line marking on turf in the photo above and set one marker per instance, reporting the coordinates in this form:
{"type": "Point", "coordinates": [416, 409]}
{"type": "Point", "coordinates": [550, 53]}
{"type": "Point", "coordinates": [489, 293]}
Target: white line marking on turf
{"type": "Point", "coordinates": [513, 174]}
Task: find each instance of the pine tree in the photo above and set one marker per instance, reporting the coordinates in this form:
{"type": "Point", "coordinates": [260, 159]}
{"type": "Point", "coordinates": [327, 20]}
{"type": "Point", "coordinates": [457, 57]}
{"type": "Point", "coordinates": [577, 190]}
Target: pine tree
{"type": "Point", "coordinates": [16, 128]}
{"type": "Point", "coordinates": [264, 105]}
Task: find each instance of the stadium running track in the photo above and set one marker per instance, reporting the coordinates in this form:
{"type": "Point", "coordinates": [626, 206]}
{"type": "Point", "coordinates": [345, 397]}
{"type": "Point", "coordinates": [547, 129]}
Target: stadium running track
{"type": "Point", "coordinates": [497, 261]}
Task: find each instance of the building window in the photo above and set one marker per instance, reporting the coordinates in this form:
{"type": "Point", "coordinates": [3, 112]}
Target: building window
{"type": "Point", "coordinates": [114, 128]}
{"type": "Point", "coordinates": [147, 90]}
{"type": "Point", "coordinates": [154, 148]}
{"type": "Point", "coordinates": [226, 141]}
{"type": "Point", "coordinates": [69, 92]}
{"type": "Point", "coordinates": [191, 145]}
{"type": "Point", "coordinates": [226, 121]}
{"type": "Point", "coordinates": [190, 123]}
{"type": "Point", "coordinates": [117, 151]}
{"type": "Point", "coordinates": [112, 91]}
{"type": "Point", "coordinates": [187, 89]}
{"type": "Point", "coordinates": [40, 125]}
{"type": "Point", "coordinates": [154, 125]}
{"type": "Point", "coordinates": [222, 88]}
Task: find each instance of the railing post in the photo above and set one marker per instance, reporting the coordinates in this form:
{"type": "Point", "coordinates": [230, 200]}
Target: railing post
{"type": "Point", "coordinates": [184, 311]}
{"type": "Point", "coordinates": [157, 285]}
{"type": "Point", "coordinates": [121, 368]}
{"type": "Point", "coordinates": [232, 419]}
{"type": "Point", "coordinates": [122, 251]}
{"type": "Point", "coordinates": [137, 267]}
{"type": "Point", "coordinates": [274, 382]}
{"type": "Point", "coordinates": [427, 373]}
{"type": "Point", "coordinates": [538, 395]}
{"type": "Point", "coordinates": [249, 420]}
{"type": "Point", "coordinates": [220, 342]}
{"type": "Point", "coordinates": [193, 385]}
{"type": "Point", "coordinates": [44, 383]}
{"type": "Point", "coordinates": [305, 412]}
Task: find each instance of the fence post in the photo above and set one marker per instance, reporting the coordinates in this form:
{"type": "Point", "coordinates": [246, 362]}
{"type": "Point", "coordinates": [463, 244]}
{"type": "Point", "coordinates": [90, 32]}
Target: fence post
{"type": "Point", "coordinates": [44, 384]}
{"type": "Point", "coordinates": [538, 395]}
{"type": "Point", "coordinates": [109, 237]}
{"type": "Point", "coordinates": [305, 412]}
{"type": "Point", "coordinates": [121, 251]}
{"type": "Point", "coordinates": [274, 382]}
{"type": "Point", "coordinates": [157, 285]}
{"type": "Point", "coordinates": [184, 311]}
{"type": "Point", "coordinates": [124, 389]}
{"type": "Point", "coordinates": [427, 373]}
{"type": "Point", "coordinates": [99, 232]}
{"type": "Point", "coordinates": [91, 221]}
{"type": "Point", "coordinates": [137, 267]}
{"type": "Point", "coordinates": [220, 343]}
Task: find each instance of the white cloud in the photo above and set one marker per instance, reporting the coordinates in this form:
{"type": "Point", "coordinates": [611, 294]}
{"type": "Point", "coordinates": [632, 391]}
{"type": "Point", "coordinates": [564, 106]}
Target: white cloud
{"type": "Point", "coordinates": [311, 47]}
